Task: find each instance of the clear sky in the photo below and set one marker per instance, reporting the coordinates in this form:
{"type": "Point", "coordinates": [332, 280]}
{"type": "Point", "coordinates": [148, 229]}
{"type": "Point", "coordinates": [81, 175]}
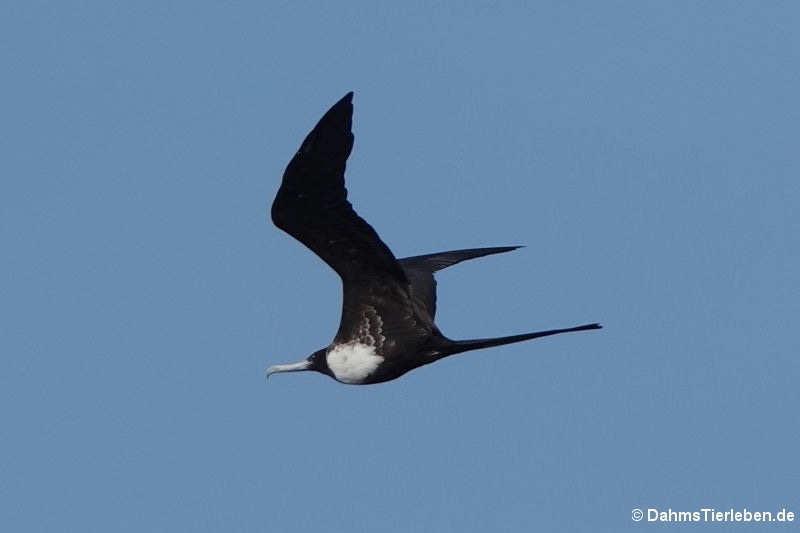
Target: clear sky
{"type": "Point", "coordinates": [645, 152]}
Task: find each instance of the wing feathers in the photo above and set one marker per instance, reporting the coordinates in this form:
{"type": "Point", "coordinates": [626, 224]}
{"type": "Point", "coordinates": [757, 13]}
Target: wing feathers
{"type": "Point", "coordinates": [420, 269]}
{"type": "Point", "coordinates": [440, 260]}
{"type": "Point", "coordinates": [311, 204]}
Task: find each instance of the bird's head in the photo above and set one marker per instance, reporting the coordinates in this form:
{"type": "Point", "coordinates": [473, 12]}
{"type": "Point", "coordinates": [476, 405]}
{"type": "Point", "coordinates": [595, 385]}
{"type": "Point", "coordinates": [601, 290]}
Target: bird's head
{"type": "Point", "coordinates": [316, 361]}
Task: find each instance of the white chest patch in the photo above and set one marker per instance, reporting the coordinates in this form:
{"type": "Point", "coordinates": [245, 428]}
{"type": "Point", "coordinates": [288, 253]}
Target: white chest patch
{"type": "Point", "coordinates": [353, 362]}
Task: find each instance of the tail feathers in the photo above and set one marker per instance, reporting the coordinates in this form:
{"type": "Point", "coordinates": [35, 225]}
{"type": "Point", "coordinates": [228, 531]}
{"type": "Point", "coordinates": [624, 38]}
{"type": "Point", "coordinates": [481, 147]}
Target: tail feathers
{"type": "Point", "coordinates": [435, 262]}
{"type": "Point", "coordinates": [477, 344]}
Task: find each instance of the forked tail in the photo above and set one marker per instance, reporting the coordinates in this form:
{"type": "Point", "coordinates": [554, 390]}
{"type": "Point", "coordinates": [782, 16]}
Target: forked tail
{"type": "Point", "coordinates": [476, 344]}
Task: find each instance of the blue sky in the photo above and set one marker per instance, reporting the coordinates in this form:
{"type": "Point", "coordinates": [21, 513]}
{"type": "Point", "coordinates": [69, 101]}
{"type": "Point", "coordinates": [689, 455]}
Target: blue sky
{"type": "Point", "coordinates": [645, 152]}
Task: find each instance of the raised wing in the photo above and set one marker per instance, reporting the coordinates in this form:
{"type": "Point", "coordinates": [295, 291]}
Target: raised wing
{"type": "Point", "coordinates": [311, 204]}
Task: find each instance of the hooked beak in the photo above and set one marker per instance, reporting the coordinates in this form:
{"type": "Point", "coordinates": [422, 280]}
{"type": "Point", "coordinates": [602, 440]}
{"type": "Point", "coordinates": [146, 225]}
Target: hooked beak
{"type": "Point", "coordinates": [293, 367]}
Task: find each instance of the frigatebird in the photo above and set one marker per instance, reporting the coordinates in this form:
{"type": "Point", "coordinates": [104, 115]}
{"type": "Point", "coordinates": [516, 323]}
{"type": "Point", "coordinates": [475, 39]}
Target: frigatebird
{"type": "Point", "coordinates": [387, 326]}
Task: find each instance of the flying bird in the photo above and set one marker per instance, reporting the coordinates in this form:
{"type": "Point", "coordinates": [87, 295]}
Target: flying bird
{"type": "Point", "coordinates": [387, 326]}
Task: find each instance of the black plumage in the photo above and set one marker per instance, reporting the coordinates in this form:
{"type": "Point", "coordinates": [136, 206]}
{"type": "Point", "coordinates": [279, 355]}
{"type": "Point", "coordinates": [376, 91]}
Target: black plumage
{"type": "Point", "coordinates": [387, 325]}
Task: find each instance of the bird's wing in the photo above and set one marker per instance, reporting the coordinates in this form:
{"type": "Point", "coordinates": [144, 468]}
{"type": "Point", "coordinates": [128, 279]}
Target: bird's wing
{"type": "Point", "coordinates": [420, 269]}
{"type": "Point", "coordinates": [311, 204]}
